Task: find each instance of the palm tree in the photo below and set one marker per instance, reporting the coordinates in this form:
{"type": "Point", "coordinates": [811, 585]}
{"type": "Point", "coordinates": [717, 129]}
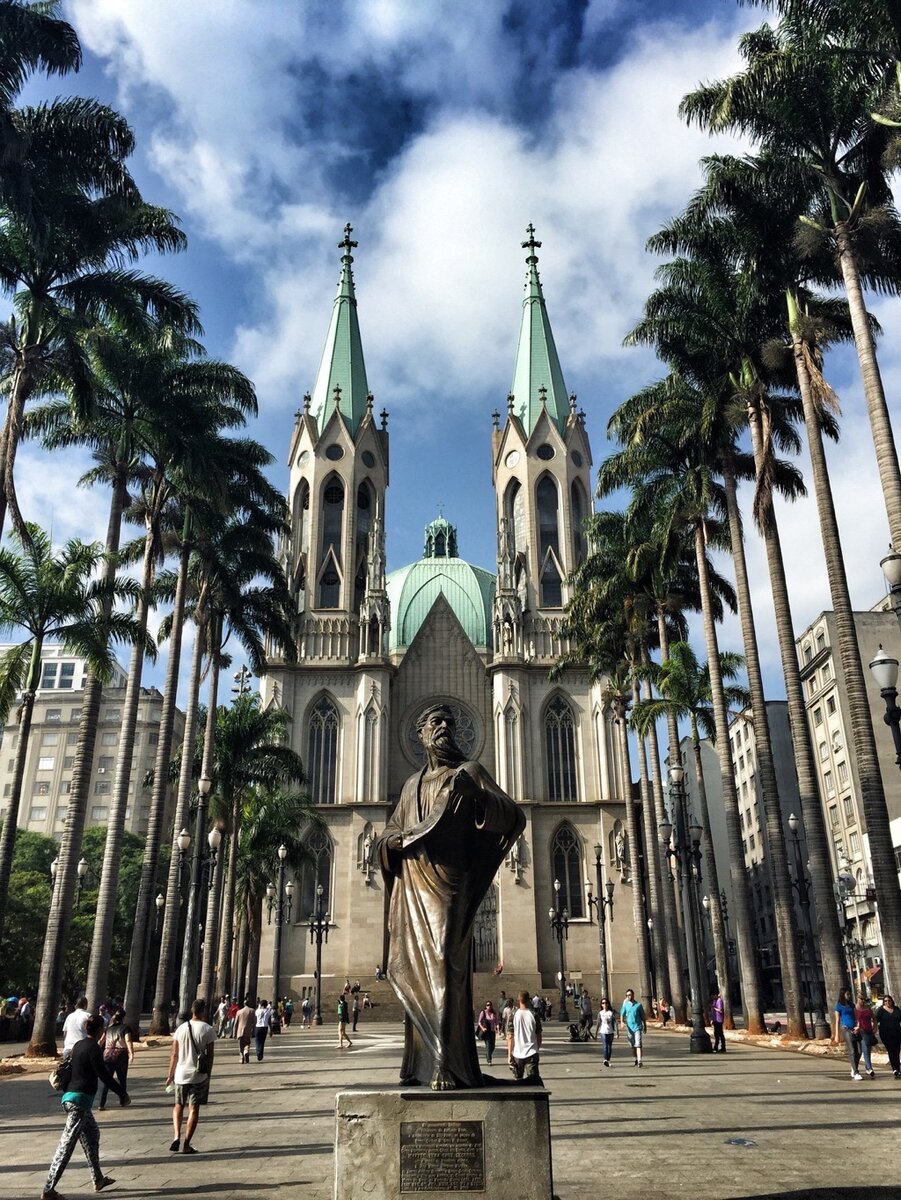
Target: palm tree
{"type": "Point", "coordinates": [835, 143]}
{"type": "Point", "coordinates": [48, 596]}
{"type": "Point", "coordinates": [685, 691]}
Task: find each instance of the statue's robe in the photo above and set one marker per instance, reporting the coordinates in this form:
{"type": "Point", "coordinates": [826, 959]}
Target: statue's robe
{"type": "Point", "coordinates": [452, 845]}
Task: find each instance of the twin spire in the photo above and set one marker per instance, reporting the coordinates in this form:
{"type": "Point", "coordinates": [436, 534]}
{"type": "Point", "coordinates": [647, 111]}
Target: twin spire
{"type": "Point", "coordinates": [537, 376]}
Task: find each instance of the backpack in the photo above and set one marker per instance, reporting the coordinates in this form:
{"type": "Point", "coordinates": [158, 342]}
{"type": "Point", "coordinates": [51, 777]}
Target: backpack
{"type": "Point", "coordinates": [61, 1075]}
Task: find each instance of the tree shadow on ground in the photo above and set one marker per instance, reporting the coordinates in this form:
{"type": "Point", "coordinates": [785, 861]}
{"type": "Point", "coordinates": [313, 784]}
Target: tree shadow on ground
{"type": "Point", "coordinates": [841, 1193]}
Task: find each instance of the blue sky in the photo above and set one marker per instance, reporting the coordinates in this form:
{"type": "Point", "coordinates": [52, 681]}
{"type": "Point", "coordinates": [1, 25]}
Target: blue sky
{"type": "Point", "coordinates": [439, 130]}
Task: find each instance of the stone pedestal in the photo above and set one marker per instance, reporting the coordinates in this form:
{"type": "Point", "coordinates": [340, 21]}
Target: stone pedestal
{"type": "Point", "coordinates": [396, 1143]}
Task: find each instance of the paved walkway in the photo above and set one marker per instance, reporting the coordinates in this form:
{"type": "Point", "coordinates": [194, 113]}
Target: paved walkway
{"type": "Point", "coordinates": [752, 1123]}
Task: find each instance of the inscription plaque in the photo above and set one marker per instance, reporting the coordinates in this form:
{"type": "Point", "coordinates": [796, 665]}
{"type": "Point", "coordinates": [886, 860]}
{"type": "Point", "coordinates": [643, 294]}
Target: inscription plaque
{"type": "Point", "coordinates": [442, 1156]}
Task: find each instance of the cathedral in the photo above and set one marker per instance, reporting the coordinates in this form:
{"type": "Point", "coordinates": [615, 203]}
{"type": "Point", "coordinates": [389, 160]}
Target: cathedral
{"type": "Point", "coordinates": [375, 647]}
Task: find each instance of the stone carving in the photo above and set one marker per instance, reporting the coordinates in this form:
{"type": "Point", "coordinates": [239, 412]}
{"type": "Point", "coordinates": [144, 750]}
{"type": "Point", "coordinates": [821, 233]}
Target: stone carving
{"type": "Point", "coordinates": [439, 854]}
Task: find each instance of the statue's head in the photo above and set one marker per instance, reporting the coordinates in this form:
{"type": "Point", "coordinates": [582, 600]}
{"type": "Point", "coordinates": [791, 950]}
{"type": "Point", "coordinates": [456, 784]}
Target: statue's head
{"type": "Point", "coordinates": [436, 729]}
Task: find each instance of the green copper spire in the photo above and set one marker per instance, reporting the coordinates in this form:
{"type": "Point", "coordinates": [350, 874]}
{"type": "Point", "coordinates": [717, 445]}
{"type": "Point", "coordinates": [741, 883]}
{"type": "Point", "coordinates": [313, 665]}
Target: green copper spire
{"type": "Point", "coordinates": [342, 372]}
{"type": "Point", "coordinates": [537, 377]}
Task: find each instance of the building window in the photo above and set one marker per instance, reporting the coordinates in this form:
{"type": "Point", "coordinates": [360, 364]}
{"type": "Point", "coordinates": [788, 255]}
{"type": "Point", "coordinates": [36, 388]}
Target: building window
{"type": "Point", "coordinates": [843, 776]}
{"type": "Point", "coordinates": [566, 864]}
{"type": "Point", "coordinates": [61, 814]}
{"type": "Point", "coordinates": [68, 762]}
{"type": "Point", "coordinates": [578, 513]}
{"type": "Point", "coordinates": [829, 782]}
{"type": "Point", "coordinates": [854, 842]}
{"type": "Point", "coordinates": [824, 751]}
{"type": "Point", "coordinates": [65, 787]}
{"type": "Point", "coordinates": [41, 789]}
{"type": "Point", "coordinates": [548, 544]}
{"type": "Point", "coordinates": [48, 674]}
{"type": "Point", "coordinates": [808, 652]}
{"type": "Point", "coordinates": [848, 807]}
{"type": "Point", "coordinates": [66, 674]}
{"type": "Point", "coordinates": [108, 739]}
{"type": "Point", "coordinates": [316, 871]}
{"type": "Point", "coordinates": [752, 843]}
{"type": "Point", "coordinates": [830, 705]}
{"type": "Point", "coordinates": [560, 741]}
{"type": "Point", "coordinates": [53, 714]}
{"type": "Point", "coordinates": [821, 641]}
{"type": "Point", "coordinates": [105, 762]}
{"type": "Point", "coordinates": [330, 551]}
{"type": "Point", "coordinates": [7, 789]}
{"type": "Point", "coordinates": [102, 787]}
{"type": "Point", "coordinates": [826, 672]}
{"type": "Point", "coordinates": [113, 714]}
{"type": "Point", "coordinates": [833, 815]}
{"type": "Point", "coordinates": [152, 739]}
{"type": "Point", "coordinates": [323, 753]}
{"type": "Point", "coordinates": [99, 813]}
{"type": "Point", "coordinates": [46, 763]}
{"type": "Point", "coordinates": [818, 716]}
{"type": "Point", "coordinates": [837, 740]}
{"type": "Point", "coordinates": [38, 814]}
{"type": "Point", "coordinates": [71, 739]}
{"type": "Point", "coordinates": [49, 739]}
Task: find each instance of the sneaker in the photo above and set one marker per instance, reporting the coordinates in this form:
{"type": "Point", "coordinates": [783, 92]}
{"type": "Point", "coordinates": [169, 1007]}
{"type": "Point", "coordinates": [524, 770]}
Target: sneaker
{"type": "Point", "coordinates": [606, 1062]}
{"type": "Point", "coordinates": [638, 1064]}
{"type": "Point", "coordinates": [871, 1074]}
{"type": "Point", "coordinates": [855, 1075]}
{"type": "Point", "coordinates": [175, 1145]}
{"type": "Point", "coordinates": [897, 1074]}
{"type": "Point", "coordinates": [189, 1149]}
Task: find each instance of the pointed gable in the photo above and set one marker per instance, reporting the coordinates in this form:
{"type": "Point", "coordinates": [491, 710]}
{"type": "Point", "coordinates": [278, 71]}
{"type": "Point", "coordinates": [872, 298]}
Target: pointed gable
{"type": "Point", "coordinates": [341, 381]}
{"type": "Point", "coordinates": [537, 376]}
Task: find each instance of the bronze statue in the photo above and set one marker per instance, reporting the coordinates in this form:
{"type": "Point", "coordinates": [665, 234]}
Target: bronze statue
{"type": "Point", "coordinates": [439, 854]}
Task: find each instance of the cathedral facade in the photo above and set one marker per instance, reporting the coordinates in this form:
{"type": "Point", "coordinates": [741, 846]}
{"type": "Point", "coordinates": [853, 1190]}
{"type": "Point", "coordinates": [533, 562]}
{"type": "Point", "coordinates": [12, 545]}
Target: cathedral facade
{"type": "Point", "coordinates": [374, 648]}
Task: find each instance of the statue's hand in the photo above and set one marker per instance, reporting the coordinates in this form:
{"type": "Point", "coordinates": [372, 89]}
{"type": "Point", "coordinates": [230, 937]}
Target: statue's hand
{"type": "Point", "coordinates": [395, 842]}
{"type": "Point", "coordinates": [464, 783]}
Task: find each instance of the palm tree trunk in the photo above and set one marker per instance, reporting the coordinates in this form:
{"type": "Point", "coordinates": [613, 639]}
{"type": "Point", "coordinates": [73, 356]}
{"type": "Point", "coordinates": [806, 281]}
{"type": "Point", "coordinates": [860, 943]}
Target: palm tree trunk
{"type": "Point", "coordinates": [10, 821]}
{"type": "Point", "coordinates": [744, 927]}
{"type": "Point", "coordinates": [22, 387]}
{"type": "Point", "coordinates": [50, 980]}
{"type": "Point", "coordinates": [777, 854]}
{"type": "Point", "coordinates": [715, 904]}
{"type": "Point", "coordinates": [676, 969]}
{"type": "Point", "coordinates": [102, 941]}
{"type": "Point", "coordinates": [874, 392]}
{"type": "Point", "coordinates": [863, 752]}
{"type": "Point", "coordinates": [159, 1022]}
{"type": "Point", "coordinates": [143, 925]}
{"type": "Point", "coordinates": [241, 949]}
{"type": "Point", "coordinates": [255, 927]}
{"type": "Point", "coordinates": [639, 916]}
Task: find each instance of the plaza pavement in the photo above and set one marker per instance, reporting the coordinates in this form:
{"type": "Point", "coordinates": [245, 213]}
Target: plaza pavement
{"type": "Point", "coordinates": [679, 1127]}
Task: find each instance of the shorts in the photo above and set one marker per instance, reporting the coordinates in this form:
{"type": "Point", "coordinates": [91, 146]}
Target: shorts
{"type": "Point", "coordinates": [634, 1036]}
{"type": "Point", "coordinates": [192, 1095]}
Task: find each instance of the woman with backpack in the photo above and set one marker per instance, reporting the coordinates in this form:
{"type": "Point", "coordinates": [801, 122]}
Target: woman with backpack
{"type": "Point", "coordinates": [118, 1051]}
{"type": "Point", "coordinates": [87, 1070]}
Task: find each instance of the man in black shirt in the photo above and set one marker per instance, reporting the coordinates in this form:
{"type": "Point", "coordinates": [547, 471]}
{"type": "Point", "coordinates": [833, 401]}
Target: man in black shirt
{"type": "Point", "coordinates": [87, 1070]}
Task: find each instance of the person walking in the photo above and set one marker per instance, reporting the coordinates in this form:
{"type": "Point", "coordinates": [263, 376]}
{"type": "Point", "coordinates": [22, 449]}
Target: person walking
{"type": "Point", "coordinates": [863, 1015]}
{"type": "Point", "coordinates": [632, 1015]}
{"type": "Point", "coordinates": [306, 1012]}
{"type": "Point", "coordinates": [244, 1026]}
{"type": "Point", "coordinates": [888, 1022]}
{"type": "Point", "coordinates": [343, 1017]}
{"type": "Point", "coordinates": [606, 1028]}
{"type": "Point", "coordinates": [586, 1016]}
{"type": "Point", "coordinates": [488, 1022]}
{"type": "Point", "coordinates": [232, 1013]}
{"type": "Point", "coordinates": [263, 1022]}
{"type": "Point", "coordinates": [118, 1051]}
{"type": "Point", "coordinates": [523, 1030]}
{"type": "Point", "coordinates": [76, 1024]}
{"type": "Point", "coordinates": [289, 1012]}
{"type": "Point", "coordinates": [355, 1011]}
{"type": "Point", "coordinates": [717, 1017]}
{"type": "Point", "coordinates": [190, 1067]}
{"type": "Point", "coordinates": [846, 1029]}
{"type": "Point", "coordinates": [663, 1011]}
{"type": "Point", "coordinates": [88, 1070]}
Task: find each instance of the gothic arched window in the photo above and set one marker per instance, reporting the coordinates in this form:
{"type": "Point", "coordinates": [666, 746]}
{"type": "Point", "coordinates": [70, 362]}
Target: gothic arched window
{"type": "Point", "coordinates": [330, 551]}
{"type": "Point", "coordinates": [566, 865]}
{"type": "Point", "coordinates": [560, 742]}
{"type": "Point", "coordinates": [578, 512]}
{"type": "Point", "coordinates": [322, 756]}
{"type": "Point", "coordinates": [364, 524]}
{"type": "Point", "coordinates": [316, 871]}
{"type": "Point", "coordinates": [549, 544]}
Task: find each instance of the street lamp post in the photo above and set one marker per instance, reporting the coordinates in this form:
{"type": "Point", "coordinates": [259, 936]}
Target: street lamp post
{"type": "Point", "coordinates": [601, 902]}
{"type": "Point", "coordinates": [241, 686]}
{"type": "Point", "coordinates": [282, 905]}
{"type": "Point", "coordinates": [187, 989]}
{"type": "Point", "coordinates": [687, 855]}
{"type": "Point", "coordinates": [801, 883]}
{"type": "Point", "coordinates": [891, 569]}
{"type": "Point", "coordinates": [885, 671]}
{"type": "Point", "coordinates": [559, 921]}
{"type": "Point", "coordinates": [160, 905]}
{"type": "Point", "coordinates": [319, 923]}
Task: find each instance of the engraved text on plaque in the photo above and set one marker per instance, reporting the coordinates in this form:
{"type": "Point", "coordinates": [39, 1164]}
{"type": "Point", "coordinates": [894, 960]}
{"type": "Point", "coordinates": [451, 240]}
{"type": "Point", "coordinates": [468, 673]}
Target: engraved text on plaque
{"type": "Point", "coordinates": [442, 1156]}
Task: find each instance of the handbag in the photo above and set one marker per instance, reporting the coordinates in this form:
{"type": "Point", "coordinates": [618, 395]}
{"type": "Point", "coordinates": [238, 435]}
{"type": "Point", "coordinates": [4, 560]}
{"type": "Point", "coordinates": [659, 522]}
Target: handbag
{"type": "Point", "coordinates": [61, 1075]}
{"type": "Point", "coordinates": [204, 1065]}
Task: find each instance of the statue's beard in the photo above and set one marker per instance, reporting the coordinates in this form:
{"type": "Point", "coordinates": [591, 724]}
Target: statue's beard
{"type": "Point", "coordinates": [443, 751]}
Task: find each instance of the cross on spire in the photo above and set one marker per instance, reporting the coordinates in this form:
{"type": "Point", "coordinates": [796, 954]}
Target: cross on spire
{"type": "Point", "coordinates": [347, 244]}
{"type": "Point", "coordinates": [531, 245]}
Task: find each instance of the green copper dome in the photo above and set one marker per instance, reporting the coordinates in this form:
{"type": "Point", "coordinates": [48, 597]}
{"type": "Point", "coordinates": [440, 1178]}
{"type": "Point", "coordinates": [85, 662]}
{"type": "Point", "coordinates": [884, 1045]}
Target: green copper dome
{"type": "Point", "coordinates": [412, 590]}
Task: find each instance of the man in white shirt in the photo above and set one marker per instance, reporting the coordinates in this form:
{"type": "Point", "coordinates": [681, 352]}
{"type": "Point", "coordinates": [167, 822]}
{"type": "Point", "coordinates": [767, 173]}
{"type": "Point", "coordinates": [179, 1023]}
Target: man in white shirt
{"type": "Point", "coordinates": [75, 1026]}
{"type": "Point", "coordinates": [523, 1030]}
{"type": "Point", "coordinates": [264, 1020]}
{"type": "Point", "coordinates": [193, 1042]}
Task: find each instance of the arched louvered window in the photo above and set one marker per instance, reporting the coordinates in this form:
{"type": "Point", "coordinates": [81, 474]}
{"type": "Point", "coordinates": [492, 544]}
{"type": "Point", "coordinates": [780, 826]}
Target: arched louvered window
{"type": "Point", "coordinates": [330, 550]}
{"type": "Point", "coordinates": [578, 510]}
{"type": "Point", "coordinates": [560, 743]}
{"type": "Point", "coordinates": [364, 524]}
{"type": "Point", "coordinates": [566, 865]}
{"type": "Point", "coordinates": [549, 544]}
{"type": "Point", "coordinates": [322, 756]}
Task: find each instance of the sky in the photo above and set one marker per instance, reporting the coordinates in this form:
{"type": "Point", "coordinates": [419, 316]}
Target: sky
{"type": "Point", "coordinates": [439, 129]}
